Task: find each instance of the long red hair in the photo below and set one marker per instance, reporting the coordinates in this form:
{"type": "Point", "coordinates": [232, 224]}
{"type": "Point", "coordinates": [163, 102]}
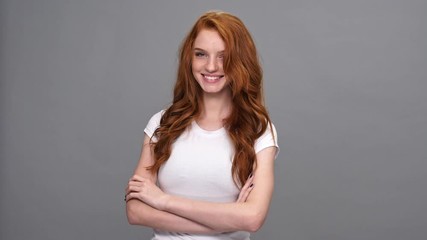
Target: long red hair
{"type": "Point", "coordinates": [248, 119]}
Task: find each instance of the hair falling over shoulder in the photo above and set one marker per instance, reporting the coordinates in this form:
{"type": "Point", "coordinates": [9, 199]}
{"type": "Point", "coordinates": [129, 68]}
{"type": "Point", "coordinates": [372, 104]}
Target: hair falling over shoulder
{"type": "Point", "coordinates": [249, 117]}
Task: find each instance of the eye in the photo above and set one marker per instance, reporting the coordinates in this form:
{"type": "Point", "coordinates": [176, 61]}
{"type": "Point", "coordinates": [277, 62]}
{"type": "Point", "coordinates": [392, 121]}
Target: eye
{"type": "Point", "coordinates": [200, 54]}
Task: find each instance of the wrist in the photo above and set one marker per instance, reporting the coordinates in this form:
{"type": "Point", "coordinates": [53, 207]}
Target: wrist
{"type": "Point", "coordinates": [165, 202]}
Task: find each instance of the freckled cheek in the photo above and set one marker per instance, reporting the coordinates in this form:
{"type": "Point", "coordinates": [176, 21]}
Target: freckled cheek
{"type": "Point", "coordinates": [220, 65]}
{"type": "Point", "coordinates": [197, 65]}
{"type": "Point", "coordinates": [195, 68]}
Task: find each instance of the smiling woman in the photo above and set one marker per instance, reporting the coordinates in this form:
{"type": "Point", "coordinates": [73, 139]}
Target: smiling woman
{"type": "Point", "coordinates": [207, 163]}
{"type": "Point", "coordinates": [207, 62]}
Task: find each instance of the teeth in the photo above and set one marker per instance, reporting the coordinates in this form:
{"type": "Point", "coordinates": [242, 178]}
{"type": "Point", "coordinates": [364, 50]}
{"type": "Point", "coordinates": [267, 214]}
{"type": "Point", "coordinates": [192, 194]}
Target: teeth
{"type": "Point", "coordinates": [212, 78]}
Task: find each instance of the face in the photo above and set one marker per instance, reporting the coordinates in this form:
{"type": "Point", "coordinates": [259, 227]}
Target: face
{"type": "Point", "coordinates": [208, 54]}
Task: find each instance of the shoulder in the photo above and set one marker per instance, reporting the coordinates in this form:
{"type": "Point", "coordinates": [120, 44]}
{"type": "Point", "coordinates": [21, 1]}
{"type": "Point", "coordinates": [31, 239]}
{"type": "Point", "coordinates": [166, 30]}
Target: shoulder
{"type": "Point", "coordinates": [154, 123]}
{"type": "Point", "coordinates": [157, 116]}
{"type": "Point", "coordinates": [267, 139]}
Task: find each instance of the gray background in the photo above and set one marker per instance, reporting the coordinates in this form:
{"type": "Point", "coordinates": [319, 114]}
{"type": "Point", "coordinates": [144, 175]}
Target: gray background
{"type": "Point", "coordinates": [345, 85]}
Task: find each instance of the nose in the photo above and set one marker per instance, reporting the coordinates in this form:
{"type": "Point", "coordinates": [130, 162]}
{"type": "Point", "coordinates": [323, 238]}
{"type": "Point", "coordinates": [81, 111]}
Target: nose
{"type": "Point", "coordinates": [212, 64]}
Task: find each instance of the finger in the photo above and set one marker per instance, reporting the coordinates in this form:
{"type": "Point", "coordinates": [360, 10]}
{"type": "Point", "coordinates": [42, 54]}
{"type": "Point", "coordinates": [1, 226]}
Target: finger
{"type": "Point", "coordinates": [133, 189]}
{"type": "Point", "coordinates": [245, 194]}
{"type": "Point", "coordinates": [132, 195]}
{"type": "Point", "coordinates": [243, 191]}
{"type": "Point", "coordinates": [134, 183]}
{"type": "Point", "coordinates": [137, 178]}
{"type": "Point", "coordinates": [129, 196]}
{"type": "Point", "coordinates": [248, 182]}
{"type": "Point", "coordinates": [242, 195]}
{"type": "Point", "coordinates": [126, 197]}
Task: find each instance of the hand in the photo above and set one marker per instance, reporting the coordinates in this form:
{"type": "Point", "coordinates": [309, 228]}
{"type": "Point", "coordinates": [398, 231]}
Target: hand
{"type": "Point", "coordinates": [146, 191]}
{"type": "Point", "coordinates": [246, 189]}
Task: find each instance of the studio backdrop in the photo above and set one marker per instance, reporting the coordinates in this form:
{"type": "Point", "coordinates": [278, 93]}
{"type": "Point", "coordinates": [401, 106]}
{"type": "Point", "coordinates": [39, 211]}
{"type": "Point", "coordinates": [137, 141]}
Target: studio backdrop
{"type": "Point", "coordinates": [345, 84]}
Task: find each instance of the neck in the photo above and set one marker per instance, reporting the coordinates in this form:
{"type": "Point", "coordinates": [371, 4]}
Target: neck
{"type": "Point", "coordinates": [216, 107]}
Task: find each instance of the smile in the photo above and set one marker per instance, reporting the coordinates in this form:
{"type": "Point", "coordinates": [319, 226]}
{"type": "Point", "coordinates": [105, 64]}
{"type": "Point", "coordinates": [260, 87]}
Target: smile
{"type": "Point", "coordinates": [212, 78]}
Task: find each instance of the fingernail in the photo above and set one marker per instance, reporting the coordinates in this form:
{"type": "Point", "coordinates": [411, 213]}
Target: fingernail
{"type": "Point", "coordinates": [250, 175]}
{"type": "Point", "coordinates": [251, 185]}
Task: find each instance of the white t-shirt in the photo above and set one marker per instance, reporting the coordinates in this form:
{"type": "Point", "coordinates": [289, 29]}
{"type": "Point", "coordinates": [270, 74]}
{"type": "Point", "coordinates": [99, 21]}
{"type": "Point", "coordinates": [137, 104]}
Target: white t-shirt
{"type": "Point", "coordinates": [199, 168]}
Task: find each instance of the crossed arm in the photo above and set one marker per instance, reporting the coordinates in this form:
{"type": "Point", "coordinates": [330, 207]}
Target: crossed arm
{"type": "Point", "coordinates": [149, 206]}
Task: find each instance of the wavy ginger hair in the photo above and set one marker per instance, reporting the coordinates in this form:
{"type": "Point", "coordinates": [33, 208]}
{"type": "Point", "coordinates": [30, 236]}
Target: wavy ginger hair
{"type": "Point", "coordinates": [248, 119]}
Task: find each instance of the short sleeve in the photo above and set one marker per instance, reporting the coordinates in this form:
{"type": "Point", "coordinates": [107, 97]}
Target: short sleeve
{"type": "Point", "coordinates": [267, 139]}
{"type": "Point", "coordinates": [153, 124]}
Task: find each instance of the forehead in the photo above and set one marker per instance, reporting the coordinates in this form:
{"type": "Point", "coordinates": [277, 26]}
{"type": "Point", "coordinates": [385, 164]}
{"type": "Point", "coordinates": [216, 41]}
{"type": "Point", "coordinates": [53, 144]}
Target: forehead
{"type": "Point", "coordinates": [209, 40]}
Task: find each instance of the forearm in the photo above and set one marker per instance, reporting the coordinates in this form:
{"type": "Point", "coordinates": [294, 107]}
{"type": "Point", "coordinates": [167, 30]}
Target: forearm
{"type": "Point", "coordinates": [187, 215]}
{"type": "Point", "coordinates": [248, 215]}
{"type": "Point", "coordinates": [139, 213]}
{"type": "Point", "coordinates": [222, 217]}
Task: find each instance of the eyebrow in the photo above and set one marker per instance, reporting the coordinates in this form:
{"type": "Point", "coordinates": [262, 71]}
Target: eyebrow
{"type": "Point", "coordinates": [200, 49]}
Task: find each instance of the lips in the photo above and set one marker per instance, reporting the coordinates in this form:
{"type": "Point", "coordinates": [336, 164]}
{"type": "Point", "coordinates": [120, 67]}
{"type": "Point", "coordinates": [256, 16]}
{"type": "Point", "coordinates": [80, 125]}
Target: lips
{"type": "Point", "coordinates": [212, 78]}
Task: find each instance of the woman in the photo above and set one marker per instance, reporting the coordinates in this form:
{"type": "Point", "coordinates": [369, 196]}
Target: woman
{"type": "Point", "coordinates": [212, 151]}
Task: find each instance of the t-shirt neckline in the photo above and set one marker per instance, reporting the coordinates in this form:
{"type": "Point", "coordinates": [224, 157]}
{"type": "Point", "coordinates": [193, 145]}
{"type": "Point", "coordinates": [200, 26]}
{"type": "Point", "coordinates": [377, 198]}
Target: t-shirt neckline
{"type": "Point", "coordinates": [208, 132]}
